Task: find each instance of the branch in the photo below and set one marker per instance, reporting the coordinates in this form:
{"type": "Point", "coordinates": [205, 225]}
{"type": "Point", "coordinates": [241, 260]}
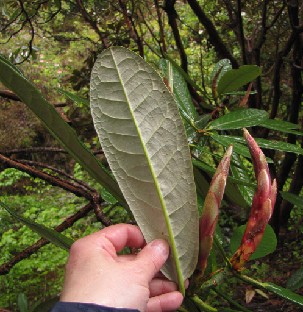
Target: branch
{"type": "Point", "coordinates": [32, 31]}
{"type": "Point", "coordinates": [92, 23]}
{"type": "Point", "coordinates": [241, 31]}
{"type": "Point", "coordinates": [162, 33]}
{"type": "Point", "coordinates": [55, 181]}
{"type": "Point", "coordinates": [169, 8]}
{"type": "Point", "coordinates": [7, 94]}
{"type": "Point", "coordinates": [34, 150]}
{"type": "Point", "coordinates": [58, 171]}
{"type": "Point", "coordinates": [214, 37]}
{"type": "Point", "coordinates": [131, 27]}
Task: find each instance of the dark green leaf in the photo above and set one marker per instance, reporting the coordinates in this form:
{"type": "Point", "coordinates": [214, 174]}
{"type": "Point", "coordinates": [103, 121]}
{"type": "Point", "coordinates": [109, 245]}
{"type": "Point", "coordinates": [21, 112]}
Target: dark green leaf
{"type": "Point", "coordinates": [11, 77]}
{"type": "Point", "coordinates": [51, 235]}
{"type": "Point", "coordinates": [263, 143]}
{"type": "Point", "coordinates": [239, 119]}
{"type": "Point", "coordinates": [296, 280]}
{"type": "Point", "coordinates": [240, 172]}
{"type": "Point", "coordinates": [183, 73]}
{"type": "Point", "coordinates": [180, 90]}
{"type": "Point", "coordinates": [75, 98]}
{"type": "Point", "coordinates": [222, 66]}
{"type": "Point", "coordinates": [284, 293]}
{"type": "Point", "coordinates": [237, 78]}
{"type": "Point", "coordinates": [267, 245]}
{"type": "Point", "coordinates": [292, 198]}
{"type": "Point", "coordinates": [225, 140]}
{"type": "Point", "coordinates": [22, 302]}
{"type": "Point", "coordinates": [282, 126]}
{"type": "Point", "coordinates": [210, 170]}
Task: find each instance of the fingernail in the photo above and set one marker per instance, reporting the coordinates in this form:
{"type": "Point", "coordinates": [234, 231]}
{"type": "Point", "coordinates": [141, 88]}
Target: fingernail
{"type": "Point", "coordinates": [161, 246]}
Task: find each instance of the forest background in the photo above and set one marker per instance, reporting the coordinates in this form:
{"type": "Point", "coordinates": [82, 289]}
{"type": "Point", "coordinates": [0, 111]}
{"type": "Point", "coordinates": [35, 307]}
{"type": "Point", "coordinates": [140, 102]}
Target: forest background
{"type": "Point", "coordinates": [55, 44]}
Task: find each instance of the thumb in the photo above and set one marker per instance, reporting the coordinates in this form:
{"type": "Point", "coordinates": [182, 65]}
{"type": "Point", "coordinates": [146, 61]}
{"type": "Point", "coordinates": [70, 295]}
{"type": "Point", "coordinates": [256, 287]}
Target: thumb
{"type": "Point", "coordinates": [153, 256]}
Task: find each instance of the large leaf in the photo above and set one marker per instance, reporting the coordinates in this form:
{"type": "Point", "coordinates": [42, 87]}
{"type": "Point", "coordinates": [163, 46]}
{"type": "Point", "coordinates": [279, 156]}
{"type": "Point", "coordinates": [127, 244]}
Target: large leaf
{"type": "Point", "coordinates": [239, 119]}
{"type": "Point", "coordinates": [51, 235]}
{"type": "Point", "coordinates": [144, 140]}
{"type": "Point", "coordinates": [12, 78]}
{"type": "Point", "coordinates": [237, 78]}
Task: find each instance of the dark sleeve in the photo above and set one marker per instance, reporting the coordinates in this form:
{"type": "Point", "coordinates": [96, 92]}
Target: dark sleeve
{"type": "Point", "coordinates": [85, 307]}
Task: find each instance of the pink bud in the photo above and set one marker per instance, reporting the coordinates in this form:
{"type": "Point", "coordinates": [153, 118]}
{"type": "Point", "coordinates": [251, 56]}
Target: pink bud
{"type": "Point", "coordinates": [262, 205]}
{"type": "Point", "coordinates": [211, 207]}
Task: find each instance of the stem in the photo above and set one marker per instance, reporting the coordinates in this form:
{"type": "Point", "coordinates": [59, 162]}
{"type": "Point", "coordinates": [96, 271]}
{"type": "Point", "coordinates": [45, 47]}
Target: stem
{"type": "Point", "coordinates": [203, 305]}
{"type": "Point", "coordinates": [231, 301]}
{"type": "Point", "coordinates": [220, 248]}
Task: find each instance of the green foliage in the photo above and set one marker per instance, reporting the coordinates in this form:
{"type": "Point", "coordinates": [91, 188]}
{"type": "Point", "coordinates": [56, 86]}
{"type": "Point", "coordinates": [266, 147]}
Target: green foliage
{"type": "Point", "coordinates": [11, 176]}
{"type": "Point", "coordinates": [209, 133]}
{"type": "Point", "coordinates": [45, 232]}
{"type": "Point", "coordinates": [268, 244]}
{"type": "Point", "coordinates": [296, 280]}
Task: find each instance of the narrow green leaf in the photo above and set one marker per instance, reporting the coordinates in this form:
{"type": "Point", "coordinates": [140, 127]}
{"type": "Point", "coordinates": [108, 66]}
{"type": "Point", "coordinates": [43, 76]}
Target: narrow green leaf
{"type": "Point", "coordinates": [239, 119]}
{"type": "Point", "coordinates": [263, 143]}
{"type": "Point", "coordinates": [74, 97]}
{"type": "Point", "coordinates": [223, 66]}
{"type": "Point", "coordinates": [282, 126]}
{"type": "Point", "coordinates": [51, 235]}
{"type": "Point", "coordinates": [277, 124]}
{"type": "Point", "coordinates": [184, 74]}
{"type": "Point", "coordinates": [180, 90]}
{"type": "Point", "coordinates": [144, 140]}
{"type": "Point", "coordinates": [292, 198]}
{"type": "Point", "coordinates": [22, 302]}
{"type": "Point", "coordinates": [210, 170]}
{"type": "Point", "coordinates": [237, 78]}
{"type": "Point", "coordinates": [284, 293]}
{"type": "Point", "coordinates": [240, 172]}
{"type": "Point", "coordinates": [11, 77]}
{"type": "Point", "coordinates": [280, 291]}
{"type": "Point", "coordinates": [268, 244]}
{"type": "Point", "coordinates": [225, 140]}
{"type": "Point", "coordinates": [296, 280]}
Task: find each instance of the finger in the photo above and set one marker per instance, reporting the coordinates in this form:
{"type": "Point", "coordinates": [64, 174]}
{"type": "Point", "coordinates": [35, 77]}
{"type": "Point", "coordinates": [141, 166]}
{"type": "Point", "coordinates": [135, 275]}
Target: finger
{"type": "Point", "coordinates": [166, 302]}
{"type": "Point", "coordinates": [161, 286]}
{"type": "Point", "coordinates": [119, 236]}
{"type": "Point", "coordinates": [152, 257]}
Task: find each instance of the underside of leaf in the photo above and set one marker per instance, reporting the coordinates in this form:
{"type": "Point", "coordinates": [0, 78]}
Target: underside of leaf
{"type": "Point", "coordinates": [144, 140]}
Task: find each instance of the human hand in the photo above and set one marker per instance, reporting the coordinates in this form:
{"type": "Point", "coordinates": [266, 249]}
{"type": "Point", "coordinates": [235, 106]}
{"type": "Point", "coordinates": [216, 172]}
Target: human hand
{"type": "Point", "coordinates": [96, 274]}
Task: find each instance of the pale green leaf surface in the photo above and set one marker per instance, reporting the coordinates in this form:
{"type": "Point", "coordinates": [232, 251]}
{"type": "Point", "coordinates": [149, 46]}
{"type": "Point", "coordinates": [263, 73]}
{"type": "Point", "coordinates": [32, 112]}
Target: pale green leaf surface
{"type": "Point", "coordinates": [144, 140]}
